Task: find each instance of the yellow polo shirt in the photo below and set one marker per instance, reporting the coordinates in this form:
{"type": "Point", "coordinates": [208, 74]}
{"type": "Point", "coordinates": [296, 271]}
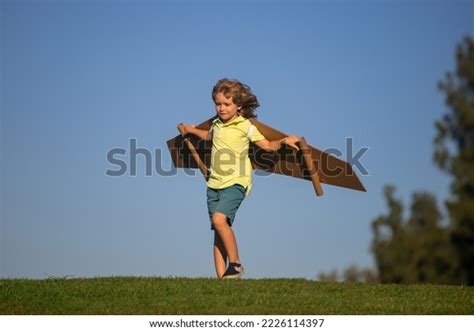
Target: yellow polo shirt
{"type": "Point", "coordinates": [230, 163]}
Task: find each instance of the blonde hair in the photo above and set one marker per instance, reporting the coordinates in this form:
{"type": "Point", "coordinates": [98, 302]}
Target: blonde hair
{"type": "Point", "coordinates": [240, 93]}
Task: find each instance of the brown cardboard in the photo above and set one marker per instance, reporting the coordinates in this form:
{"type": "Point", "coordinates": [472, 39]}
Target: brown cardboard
{"type": "Point", "coordinates": [192, 149]}
{"type": "Point", "coordinates": [326, 168]}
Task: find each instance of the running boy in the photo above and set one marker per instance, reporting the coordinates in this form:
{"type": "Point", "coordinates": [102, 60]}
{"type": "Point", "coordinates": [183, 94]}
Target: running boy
{"type": "Point", "coordinates": [230, 178]}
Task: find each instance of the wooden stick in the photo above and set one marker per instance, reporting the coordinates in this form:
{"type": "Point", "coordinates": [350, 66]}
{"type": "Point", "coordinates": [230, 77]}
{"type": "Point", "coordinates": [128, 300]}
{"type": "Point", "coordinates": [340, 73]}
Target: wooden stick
{"type": "Point", "coordinates": [313, 173]}
{"type": "Point", "coordinates": [194, 152]}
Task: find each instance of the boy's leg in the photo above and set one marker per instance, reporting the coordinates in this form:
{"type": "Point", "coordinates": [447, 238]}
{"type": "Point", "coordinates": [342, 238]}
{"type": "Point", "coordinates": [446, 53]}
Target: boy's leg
{"type": "Point", "coordinates": [227, 236]}
{"type": "Point", "coordinates": [220, 255]}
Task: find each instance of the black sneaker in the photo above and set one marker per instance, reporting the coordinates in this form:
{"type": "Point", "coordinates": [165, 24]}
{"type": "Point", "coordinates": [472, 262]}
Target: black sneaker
{"type": "Point", "coordinates": [235, 270]}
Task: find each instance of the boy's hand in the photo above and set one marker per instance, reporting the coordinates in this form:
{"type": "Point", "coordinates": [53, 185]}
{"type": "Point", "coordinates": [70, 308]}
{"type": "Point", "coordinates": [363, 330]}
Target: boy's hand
{"type": "Point", "coordinates": [291, 141]}
{"type": "Point", "coordinates": [189, 128]}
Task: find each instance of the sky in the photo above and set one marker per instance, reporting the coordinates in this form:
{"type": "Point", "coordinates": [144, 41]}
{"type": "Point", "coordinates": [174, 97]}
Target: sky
{"type": "Point", "coordinates": [80, 78]}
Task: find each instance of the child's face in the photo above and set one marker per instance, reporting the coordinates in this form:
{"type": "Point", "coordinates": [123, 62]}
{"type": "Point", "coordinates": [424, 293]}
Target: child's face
{"type": "Point", "coordinates": [225, 107]}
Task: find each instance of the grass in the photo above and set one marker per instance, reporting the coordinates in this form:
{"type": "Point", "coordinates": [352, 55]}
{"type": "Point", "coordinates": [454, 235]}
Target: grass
{"type": "Point", "coordinates": [190, 296]}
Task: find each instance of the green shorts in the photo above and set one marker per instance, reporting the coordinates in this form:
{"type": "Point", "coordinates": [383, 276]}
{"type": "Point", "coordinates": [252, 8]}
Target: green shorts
{"type": "Point", "coordinates": [225, 201]}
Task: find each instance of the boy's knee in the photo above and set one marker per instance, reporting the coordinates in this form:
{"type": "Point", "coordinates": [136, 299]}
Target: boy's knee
{"type": "Point", "coordinates": [219, 220]}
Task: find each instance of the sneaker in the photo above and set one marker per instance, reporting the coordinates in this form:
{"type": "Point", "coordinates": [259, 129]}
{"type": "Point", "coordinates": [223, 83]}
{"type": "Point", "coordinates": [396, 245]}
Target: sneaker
{"type": "Point", "coordinates": [234, 270]}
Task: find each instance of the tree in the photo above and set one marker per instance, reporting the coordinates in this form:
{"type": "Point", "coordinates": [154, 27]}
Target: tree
{"type": "Point", "coordinates": [433, 259]}
{"type": "Point", "coordinates": [352, 274]}
{"type": "Point", "coordinates": [389, 244]}
{"type": "Point", "coordinates": [328, 276]}
{"type": "Point", "coordinates": [454, 154]}
{"type": "Point", "coordinates": [416, 250]}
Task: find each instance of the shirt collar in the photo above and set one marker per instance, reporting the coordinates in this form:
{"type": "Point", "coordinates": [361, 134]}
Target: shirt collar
{"type": "Point", "coordinates": [236, 120]}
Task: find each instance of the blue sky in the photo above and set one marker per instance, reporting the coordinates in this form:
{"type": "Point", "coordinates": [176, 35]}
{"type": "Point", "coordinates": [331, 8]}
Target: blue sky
{"type": "Point", "coordinates": [82, 77]}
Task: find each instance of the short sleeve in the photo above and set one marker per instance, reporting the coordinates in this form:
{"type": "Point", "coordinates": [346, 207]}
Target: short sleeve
{"type": "Point", "coordinates": [254, 134]}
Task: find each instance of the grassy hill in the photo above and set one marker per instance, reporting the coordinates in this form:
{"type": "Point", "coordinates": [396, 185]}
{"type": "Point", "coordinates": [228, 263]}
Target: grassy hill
{"type": "Point", "coordinates": [153, 296]}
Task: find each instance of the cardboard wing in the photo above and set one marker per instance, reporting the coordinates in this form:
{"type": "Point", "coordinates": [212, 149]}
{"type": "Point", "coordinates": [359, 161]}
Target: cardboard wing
{"type": "Point", "coordinates": [308, 163]}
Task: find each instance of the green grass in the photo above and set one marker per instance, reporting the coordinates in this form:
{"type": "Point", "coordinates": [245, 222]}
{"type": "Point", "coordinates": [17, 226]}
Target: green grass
{"type": "Point", "coordinates": [152, 296]}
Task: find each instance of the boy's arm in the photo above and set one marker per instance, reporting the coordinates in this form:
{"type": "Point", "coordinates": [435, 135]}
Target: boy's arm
{"type": "Point", "coordinates": [203, 134]}
{"type": "Point", "coordinates": [274, 145]}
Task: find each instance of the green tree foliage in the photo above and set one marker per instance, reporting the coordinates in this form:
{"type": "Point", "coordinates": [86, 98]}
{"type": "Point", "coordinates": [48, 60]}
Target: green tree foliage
{"type": "Point", "coordinates": [413, 250]}
{"type": "Point", "coordinates": [454, 153]}
{"type": "Point", "coordinates": [389, 244]}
